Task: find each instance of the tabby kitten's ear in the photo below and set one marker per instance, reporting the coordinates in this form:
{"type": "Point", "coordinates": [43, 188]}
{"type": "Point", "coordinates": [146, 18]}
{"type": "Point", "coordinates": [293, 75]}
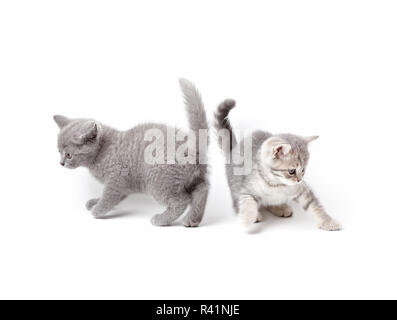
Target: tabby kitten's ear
{"type": "Point", "coordinates": [281, 150]}
{"type": "Point", "coordinates": [61, 121]}
{"type": "Point", "coordinates": [311, 138]}
{"type": "Point", "coordinates": [90, 133]}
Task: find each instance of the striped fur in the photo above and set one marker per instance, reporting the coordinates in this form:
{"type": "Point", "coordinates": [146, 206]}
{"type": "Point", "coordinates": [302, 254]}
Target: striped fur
{"type": "Point", "coordinates": [276, 179]}
{"type": "Point", "coordinates": [222, 123]}
{"type": "Point", "coordinates": [309, 202]}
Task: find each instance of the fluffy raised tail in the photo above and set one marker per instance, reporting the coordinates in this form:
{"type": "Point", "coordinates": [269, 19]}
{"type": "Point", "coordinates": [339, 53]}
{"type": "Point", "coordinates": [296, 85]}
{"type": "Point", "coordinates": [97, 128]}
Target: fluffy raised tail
{"type": "Point", "coordinates": [194, 106]}
{"type": "Point", "coordinates": [198, 186]}
{"type": "Point", "coordinates": [223, 126]}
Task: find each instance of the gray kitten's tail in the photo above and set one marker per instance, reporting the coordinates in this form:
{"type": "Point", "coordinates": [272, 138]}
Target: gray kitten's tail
{"type": "Point", "coordinates": [198, 184]}
{"type": "Point", "coordinates": [194, 106]}
{"type": "Point", "coordinates": [222, 123]}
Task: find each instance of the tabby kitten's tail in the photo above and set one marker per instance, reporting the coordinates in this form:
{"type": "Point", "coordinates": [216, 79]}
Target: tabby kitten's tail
{"type": "Point", "coordinates": [222, 123]}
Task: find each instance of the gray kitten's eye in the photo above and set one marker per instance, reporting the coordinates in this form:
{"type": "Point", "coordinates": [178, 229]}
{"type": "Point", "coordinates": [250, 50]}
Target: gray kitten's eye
{"type": "Point", "coordinates": [291, 171]}
{"type": "Point", "coordinates": [68, 155]}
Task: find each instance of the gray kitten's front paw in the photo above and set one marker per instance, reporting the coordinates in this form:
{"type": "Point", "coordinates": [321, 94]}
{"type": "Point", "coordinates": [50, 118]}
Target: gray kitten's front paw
{"type": "Point", "coordinates": [330, 225]}
{"type": "Point", "coordinates": [97, 215]}
{"type": "Point", "coordinates": [158, 220]}
{"type": "Point", "coordinates": [91, 203]}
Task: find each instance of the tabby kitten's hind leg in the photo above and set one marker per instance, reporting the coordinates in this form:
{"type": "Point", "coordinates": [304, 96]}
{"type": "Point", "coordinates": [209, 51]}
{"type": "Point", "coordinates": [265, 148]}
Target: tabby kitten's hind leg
{"type": "Point", "coordinates": [284, 210]}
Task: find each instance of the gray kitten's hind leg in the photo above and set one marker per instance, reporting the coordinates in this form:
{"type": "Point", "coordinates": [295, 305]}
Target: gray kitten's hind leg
{"type": "Point", "coordinates": [197, 207]}
{"type": "Point", "coordinates": [176, 207]}
{"type": "Point", "coordinates": [170, 215]}
{"type": "Point", "coordinates": [284, 210]}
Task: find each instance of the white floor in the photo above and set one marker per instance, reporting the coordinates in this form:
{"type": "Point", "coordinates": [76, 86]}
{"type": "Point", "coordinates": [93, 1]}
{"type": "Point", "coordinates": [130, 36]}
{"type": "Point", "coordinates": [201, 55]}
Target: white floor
{"type": "Point", "coordinates": [308, 68]}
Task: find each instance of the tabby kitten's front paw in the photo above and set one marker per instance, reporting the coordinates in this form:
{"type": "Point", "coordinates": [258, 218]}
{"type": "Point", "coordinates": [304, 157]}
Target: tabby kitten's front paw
{"type": "Point", "coordinates": [283, 211]}
{"type": "Point", "coordinates": [91, 203]}
{"type": "Point", "coordinates": [330, 225]}
{"type": "Point", "coordinates": [249, 217]}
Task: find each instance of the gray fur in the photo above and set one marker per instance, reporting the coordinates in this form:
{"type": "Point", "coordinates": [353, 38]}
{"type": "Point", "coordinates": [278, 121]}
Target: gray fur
{"type": "Point", "coordinates": [116, 158]}
{"type": "Point", "coordinates": [270, 184]}
{"type": "Point", "coordinates": [222, 122]}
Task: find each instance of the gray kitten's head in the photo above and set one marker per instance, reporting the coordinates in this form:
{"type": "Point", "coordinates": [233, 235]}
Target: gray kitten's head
{"type": "Point", "coordinates": [78, 141]}
{"type": "Point", "coordinates": [285, 158]}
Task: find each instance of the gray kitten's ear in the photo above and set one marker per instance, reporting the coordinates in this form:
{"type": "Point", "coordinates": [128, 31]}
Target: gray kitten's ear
{"type": "Point", "coordinates": [90, 133]}
{"type": "Point", "coordinates": [281, 150]}
{"type": "Point", "coordinates": [61, 121]}
{"type": "Point", "coordinates": [311, 138]}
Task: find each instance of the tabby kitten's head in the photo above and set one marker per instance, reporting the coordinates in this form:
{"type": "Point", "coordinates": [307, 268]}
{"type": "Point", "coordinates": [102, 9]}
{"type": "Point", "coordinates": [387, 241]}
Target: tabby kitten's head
{"type": "Point", "coordinates": [78, 141]}
{"type": "Point", "coordinates": [285, 158]}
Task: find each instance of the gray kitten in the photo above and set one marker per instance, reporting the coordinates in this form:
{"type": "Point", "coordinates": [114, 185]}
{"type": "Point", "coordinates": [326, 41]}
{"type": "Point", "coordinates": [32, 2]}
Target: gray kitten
{"type": "Point", "coordinates": [276, 179]}
{"type": "Point", "coordinates": [116, 158]}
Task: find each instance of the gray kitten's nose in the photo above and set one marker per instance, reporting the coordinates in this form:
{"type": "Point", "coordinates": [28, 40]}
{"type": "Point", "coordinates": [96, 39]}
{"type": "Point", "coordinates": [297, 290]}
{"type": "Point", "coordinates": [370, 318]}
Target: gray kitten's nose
{"type": "Point", "coordinates": [62, 163]}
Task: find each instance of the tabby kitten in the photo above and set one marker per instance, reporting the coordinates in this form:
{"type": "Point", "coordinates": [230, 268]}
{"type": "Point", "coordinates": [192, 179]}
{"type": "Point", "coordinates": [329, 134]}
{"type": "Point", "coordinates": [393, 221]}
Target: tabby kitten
{"type": "Point", "coordinates": [117, 159]}
{"type": "Point", "coordinates": [276, 179]}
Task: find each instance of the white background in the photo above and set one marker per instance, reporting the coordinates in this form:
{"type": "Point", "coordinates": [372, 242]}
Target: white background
{"type": "Point", "coordinates": [325, 68]}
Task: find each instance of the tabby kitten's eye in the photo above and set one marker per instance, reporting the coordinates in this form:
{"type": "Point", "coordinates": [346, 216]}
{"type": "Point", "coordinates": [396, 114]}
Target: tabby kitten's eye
{"type": "Point", "coordinates": [68, 155]}
{"type": "Point", "coordinates": [291, 171]}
